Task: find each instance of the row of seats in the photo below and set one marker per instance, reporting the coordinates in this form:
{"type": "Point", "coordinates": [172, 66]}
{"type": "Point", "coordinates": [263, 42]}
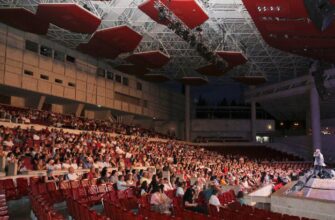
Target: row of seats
{"type": "Point", "coordinates": [227, 197]}
{"type": "Point", "coordinates": [13, 191]}
{"type": "Point", "coordinates": [3, 207]}
{"type": "Point", "coordinates": [241, 212]}
{"type": "Point", "coordinates": [82, 211]}
{"type": "Point", "coordinates": [84, 190]}
{"type": "Point", "coordinates": [42, 209]}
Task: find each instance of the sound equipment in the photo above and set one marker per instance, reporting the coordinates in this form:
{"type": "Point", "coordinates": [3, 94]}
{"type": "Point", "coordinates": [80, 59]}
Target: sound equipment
{"type": "Point", "coordinates": [321, 12]}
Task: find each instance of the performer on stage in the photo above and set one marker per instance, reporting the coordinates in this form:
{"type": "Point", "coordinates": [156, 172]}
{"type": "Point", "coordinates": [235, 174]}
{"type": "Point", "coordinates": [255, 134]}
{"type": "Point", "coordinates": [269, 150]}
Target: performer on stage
{"type": "Point", "coordinates": [319, 161]}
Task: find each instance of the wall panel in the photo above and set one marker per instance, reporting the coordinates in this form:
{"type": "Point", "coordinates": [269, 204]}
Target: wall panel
{"type": "Point", "coordinates": [81, 85]}
{"type": "Point", "coordinates": [101, 100]}
{"type": "Point", "coordinates": [29, 83]}
{"type": "Point", "coordinates": [59, 68]}
{"type": "Point", "coordinates": [14, 54]}
{"type": "Point", "coordinates": [117, 105]}
{"type": "Point", "coordinates": [57, 90]}
{"type": "Point", "coordinates": [109, 103]}
{"type": "Point", "coordinates": [87, 87]}
{"type": "Point", "coordinates": [44, 86]}
{"type": "Point", "coordinates": [101, 91]}
{"type": "Point", "coordinates": [30, 58]}
{"type": "Point", "coordinates": [69, 93]}
{"type": "Point", "coordinates": [45, 63]}
{"type": "Point", "coordinates": [125, 106]}
{"type": "Point", "coordinates": [12, 79]}
{"type": "Point", "coordinates": [81, 95]}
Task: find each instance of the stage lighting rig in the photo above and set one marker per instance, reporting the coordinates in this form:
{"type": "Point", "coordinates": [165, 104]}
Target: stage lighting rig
{"type": "Point", "coordinates": [161, 14]}
{"type": "Point", "coordinates": [195, 40]}
{"type": "Point", "coordinates": [186, 34]}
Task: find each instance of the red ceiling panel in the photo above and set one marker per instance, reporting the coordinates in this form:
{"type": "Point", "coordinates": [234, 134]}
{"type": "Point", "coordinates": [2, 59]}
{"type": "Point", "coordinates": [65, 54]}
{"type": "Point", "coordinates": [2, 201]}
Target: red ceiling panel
{"type": "Point", "coordinates": [292, 31]}
{"type": "Point", "coordinates": [148, 8]}
{"type": "Point", "coordinates": [69, 16]}
{"type": "Point", "coordinates": [110, 42]}
{"type": "Point", "coordinates": [24, 20]}
{"type": "Point", "coordinates": [158, 78]}
{"type": "Point", "coordinates": [250, 80]}
{"type": "Point", "coordinates": [188, 11]}
{"type": "Point", "coordinates": [132, 70]}
{"type": "Point", "coordinates": [149, 59]}
{"type": "Point", "coordinates": [233, 59]}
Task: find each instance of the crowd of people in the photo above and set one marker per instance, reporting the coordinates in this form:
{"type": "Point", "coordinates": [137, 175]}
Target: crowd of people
{"type": "Point", "coordinates": [193, 170]}
{"type": "Point", "coordinates": [48, 118]}
{"type": "Point", "coordinates": [53, 149]}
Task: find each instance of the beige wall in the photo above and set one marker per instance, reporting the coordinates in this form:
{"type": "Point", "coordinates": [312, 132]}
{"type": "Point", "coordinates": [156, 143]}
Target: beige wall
{"type": "Point", "coordinates": [17, 101]}
{"type": "Point", "coordinates": [89, 88]}
{"type": "Point", "coordinates": [57, 108]}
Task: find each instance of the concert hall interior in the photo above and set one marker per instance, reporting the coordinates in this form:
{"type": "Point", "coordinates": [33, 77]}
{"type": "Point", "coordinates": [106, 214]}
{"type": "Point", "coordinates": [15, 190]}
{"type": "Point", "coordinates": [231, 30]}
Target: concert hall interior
{"type": "Point", "coordinates": [167, 110]}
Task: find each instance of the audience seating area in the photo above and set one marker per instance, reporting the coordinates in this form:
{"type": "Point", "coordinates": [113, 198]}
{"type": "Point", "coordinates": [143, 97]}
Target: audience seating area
{"type": "Point", "coordinates": [50, 150]}
{"type": "Point", "coordinates": [48, 118]}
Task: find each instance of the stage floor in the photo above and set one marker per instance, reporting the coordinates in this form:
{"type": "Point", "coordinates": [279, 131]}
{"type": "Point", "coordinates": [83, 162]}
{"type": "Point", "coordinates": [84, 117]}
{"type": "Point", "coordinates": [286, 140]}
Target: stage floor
{"type": "Point", "coordinates": [315, 201]}
{"type": "Point", "coordinates": [323, 189]}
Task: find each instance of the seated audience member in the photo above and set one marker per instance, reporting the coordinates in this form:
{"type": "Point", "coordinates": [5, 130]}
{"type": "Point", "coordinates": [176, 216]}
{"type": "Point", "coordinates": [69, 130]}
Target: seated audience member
{"type": "Point", "coordinates": [240, 198]}
{"type": "Point", "coordinates": [214, 200]}
{"type": "Point", "coordinates": [66, 164]}
{"type": "Point", "coordinates": [167, 185]}
{"type": "Point", "coordinates": [145, 177]}
{"type": "Point", "coordinates": [154, 183]}
{"type": "Point", "coordinates": [104, 176]}
{"type": "Point", "coordinates": [50, 176]}
{"type": "Point", "coordinates": [129, 180]}
{"type": "Point", "coordinates": [159, 201]}
{"type": "Point", "coordinates": [92, 174]}
{"type": "Point", "coordinates": [144, 188]}
{"type": "Point", "coordinates": [71, 175]}
{"type": "Point", "coordinates": [180, 189]}
{"type": "Point", "coordinates": [114, 177]}
{"type": "Point", "coordinates": [244, 185]}
{"type": "Point", "coordinates": [121, 184]}
{"type": "Point", "coordinates": [189, 203]}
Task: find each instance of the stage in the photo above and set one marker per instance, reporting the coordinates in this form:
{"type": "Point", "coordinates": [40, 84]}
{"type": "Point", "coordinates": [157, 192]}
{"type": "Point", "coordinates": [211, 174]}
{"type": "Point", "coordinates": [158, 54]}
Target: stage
{"type": "Point", "coordinates": [315, 200]}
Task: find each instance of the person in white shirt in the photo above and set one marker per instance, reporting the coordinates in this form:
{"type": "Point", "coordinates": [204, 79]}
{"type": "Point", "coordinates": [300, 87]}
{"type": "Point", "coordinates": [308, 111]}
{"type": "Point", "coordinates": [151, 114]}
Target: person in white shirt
{"type": "Point", "coordinates": [214, 200]}
{"type": "Point", "coordinates": [121, 184]}
{"type": "Point", "coordinates": [167, 185]}
{"type": "Point", "coordinates": [180, 189]}
{"type": "Point", "coordinates": [8, 143]}
{"type": "Point", "coordinates": [36, 137]}
{"type": "Point", "coordinates": [66, 165]}
{"type": "Point", "coordinates": [72, 175]}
